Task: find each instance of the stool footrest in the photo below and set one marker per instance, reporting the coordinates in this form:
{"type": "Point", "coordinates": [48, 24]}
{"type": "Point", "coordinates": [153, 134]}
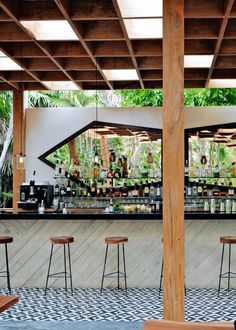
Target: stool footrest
{"type": "Point", "coordinates": [110, 274]}
{"type": "Point", "coordinates": [59, 273]}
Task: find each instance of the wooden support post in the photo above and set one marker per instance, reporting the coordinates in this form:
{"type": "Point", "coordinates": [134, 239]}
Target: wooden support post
{"type": "Point", "coordinates": [173, 159]}
{"type": "Point", "coordinates": [18, 142]}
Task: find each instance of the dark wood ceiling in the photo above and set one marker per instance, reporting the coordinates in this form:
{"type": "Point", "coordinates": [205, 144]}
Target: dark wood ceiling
{"type": "Point", "coordinates": [210, 29]}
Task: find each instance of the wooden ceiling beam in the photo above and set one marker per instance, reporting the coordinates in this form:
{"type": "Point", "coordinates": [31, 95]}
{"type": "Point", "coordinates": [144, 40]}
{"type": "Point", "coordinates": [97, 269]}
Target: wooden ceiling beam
{"type": "Point", "coordinates": [83, 63]}
{"type": "Point", "coordinates": [195, 74]}
{"type": "Point", "coordinates": [203, 8]}
{"type": "Point", "coordinates": [10, 83]}
{"type": "Point", "coordinates": [87, 76]}
{"type": "Point", "coordinates": [4, 16]}
{"type": "Point", "coordinates": [5, 86]}
{"type": "Point", "coordinates": [40, 64]}
{"type": "Point", "coordinates": [127, 84]}
{"type": "Point", "coordinates": [63, 5]}
{"type": "Point", "coordinates": [228, 8]}
{"type": "Point", "coordinates": [194, 83]}
{"type": "Point", "coordinates": [90, 9]}
{"type": "Point", "coordinates": [151, 74]}
{"type": "Point", "coordinates": [230, 30]}
{"type": "Point", "coordinates": [17, 76]}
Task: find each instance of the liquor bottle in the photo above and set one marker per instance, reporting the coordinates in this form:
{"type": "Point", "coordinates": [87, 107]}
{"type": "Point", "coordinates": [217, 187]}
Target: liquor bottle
{"type": "Point", "coordinates": [186, 168]}
{"type": "Point", "coordinates": [68, 189]}
{"type": "Point", "coordinates": [199, 188]}
{"type": "Point", "coordinates": [189, 190]}
{"type": "Point", "coordinates": [216, 172]}
{"type": "Point", "coordinates": [230, 190]}
{"type": "Point", "coordinates": [158, 191]}
{"type": "Point", "coordinates": [194, 189]}
{"type": "Point", "coordinates": [140, 190]}
{"type": "Point", "coordinates": [216, 190]}
{"type": "Point", "coordinates": [104, 191]}
{"type": "Point", "coordinates": [57, 169]}
{"type": "Point", "coordinates": [32, 186]}
{"type": "Point", "coordinates": [124, 190]}
{"type": "Point", "coordinates": [204, 189]}
{"type": "Point", "coordinates": [222, 191]}
{"type": "Point", "coordinates": [146, 189]}
{"type": "Point", "coordinates": [110, 173]}
{"type": "Point", "coordinates": [223, 171]}
{"type": "Point", "coordinates": [135, 191]}
{"type": "Point", "coordinates": [152, 189]}
{"type": "Point", "coordinates": [56, 190]}
{"type": "Point", "coordinates": [117, 173]}
{"type": "Point", "coordinates": [125, 167]}
{"type": "Point", "coordinates": [93, 189]}
{"type": "Point", "coordinates": [63, 191]}
{"type": "Point", "coordinates": [73, 190]}
{"type": "Point", "coordinates": [233, 169]}
{"type": "Point", "coordinates": [63, 170]}
{"type": "Point", "coordinates": [98, 190]}
{"type": "Point", "coordinates": [85, 191]}
{"type": "Point", "coordinates": [79, 191]}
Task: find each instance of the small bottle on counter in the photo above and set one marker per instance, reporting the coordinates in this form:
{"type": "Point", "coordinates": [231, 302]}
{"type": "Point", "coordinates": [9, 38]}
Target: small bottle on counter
{"type": "Point", "coordinates": [230, 190]}
{"type": "Point", "coordinates": [41, 208]}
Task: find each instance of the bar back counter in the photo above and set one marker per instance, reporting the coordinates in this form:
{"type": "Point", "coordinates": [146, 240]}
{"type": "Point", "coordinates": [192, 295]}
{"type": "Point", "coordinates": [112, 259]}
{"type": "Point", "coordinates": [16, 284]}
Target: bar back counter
{"type": "Point", "coordinates": [28, 255]}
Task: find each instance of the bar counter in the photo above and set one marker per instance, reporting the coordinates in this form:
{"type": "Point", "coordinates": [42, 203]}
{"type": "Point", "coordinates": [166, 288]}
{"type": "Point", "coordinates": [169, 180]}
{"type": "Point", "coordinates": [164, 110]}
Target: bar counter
{"type": "Point", "coordinates": [84, 215]}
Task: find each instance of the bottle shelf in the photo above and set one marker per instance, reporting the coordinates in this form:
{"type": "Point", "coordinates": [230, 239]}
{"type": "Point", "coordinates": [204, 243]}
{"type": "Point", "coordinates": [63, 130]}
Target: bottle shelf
{"type": "Point", "coordinates": [211, 177]}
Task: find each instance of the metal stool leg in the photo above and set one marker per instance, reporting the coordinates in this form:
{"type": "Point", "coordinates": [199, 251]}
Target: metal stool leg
{"type": "Point", "coordinates": [70, 269]}
{"type": "Point", "coordinates": [118, 266]}
{"type": "Point", "coordinates": [123, 248]}
{"type": "Point", "coordinates": [161, 277]}
{"type": "Point", "coordinates": [8, 272]}
{"type": "Point", "coordinates": [221, 267]}
{"type": "Point", "coordinates": [49, 266]}
{"type": "Point", "coordinates": [229, 266]}
{"type": "Point", "coordinates": [104, 267]}
{"type": "Point", "coordinates": [64, 247]}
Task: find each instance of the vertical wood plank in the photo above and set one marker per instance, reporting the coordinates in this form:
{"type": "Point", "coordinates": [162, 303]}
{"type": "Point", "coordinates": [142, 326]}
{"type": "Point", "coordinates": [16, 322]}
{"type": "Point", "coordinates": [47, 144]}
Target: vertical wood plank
{"type": "Point", "coordinates": [18, 142]}
{"type": "Point", "coordinates": [173, 159]}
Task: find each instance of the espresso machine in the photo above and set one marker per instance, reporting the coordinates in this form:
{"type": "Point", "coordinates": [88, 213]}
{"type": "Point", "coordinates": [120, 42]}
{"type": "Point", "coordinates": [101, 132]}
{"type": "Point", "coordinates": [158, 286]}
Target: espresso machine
{"type": "Point", "coordinates": [31, 195]}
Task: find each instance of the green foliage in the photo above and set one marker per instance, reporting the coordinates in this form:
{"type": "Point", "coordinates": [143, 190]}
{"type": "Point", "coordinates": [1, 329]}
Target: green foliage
{"type": "Point", "coordinates": [192, 97]}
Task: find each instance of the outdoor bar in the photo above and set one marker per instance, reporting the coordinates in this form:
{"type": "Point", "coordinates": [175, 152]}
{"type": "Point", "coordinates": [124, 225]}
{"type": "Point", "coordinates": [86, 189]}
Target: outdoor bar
{"type": "Point", "coordinates": [134, 205]}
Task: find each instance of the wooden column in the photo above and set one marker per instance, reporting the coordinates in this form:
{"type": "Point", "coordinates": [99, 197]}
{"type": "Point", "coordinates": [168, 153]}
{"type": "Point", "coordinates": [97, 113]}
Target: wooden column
{"type": "Point", "coordinates": [18, 142]}
{"type": "Point", "coordinates": [173, 159]}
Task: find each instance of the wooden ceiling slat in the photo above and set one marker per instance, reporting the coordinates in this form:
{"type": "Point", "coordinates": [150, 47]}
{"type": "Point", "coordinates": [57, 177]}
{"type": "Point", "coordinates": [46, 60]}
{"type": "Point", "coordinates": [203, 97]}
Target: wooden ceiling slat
{"type": "Point", "coordinates": [82, 63]}
{"type": "Point", "coordinates": [228, 47]}
{"type": "Point", "coordinates": [230, 31]}
{"type": "Point", "coordinates": [147, 47]}
{"type": "Point", "coordinates": [90, 9]}
{"type": "Point", "coordinates": [100, 30]}
{"type": "Point", "coordinates": [229, 4]}
{"type": "Point", "coordinates": [22, 49]}
{"type": "Point", "coordinates": [195, 74]}
{"type": "Point", "coordinates": [224, 74]}
{"type": "Point", "coordinates": [39, 10]}
{"type": "Point", "coordinates": [66, 49]}
{"type": "Point", "coordinates": [151, 74]}
{"type": "Point", "coordinates": [87, 76]}
{"type": "Point", "coordinates": [116, 63]}
{"type": "Point", "coordinates": [10, 31]}
{"type": "Point", "coordinates": [203, 8]}
{"type": "Point", "coordinates": [108, 48]}
{"type": "Point", "coordinates": [194, 83]}
{"type": "Point", "coordinates": [199, 47]}
{"type": "Point", "coordinates": [202, 28]}
{"type": "Point", "coordinates": [225, 62]}
{"type": "Point", "coordinates": [17, 76]}
{"type": "Point", "coordinates": [150, 62]}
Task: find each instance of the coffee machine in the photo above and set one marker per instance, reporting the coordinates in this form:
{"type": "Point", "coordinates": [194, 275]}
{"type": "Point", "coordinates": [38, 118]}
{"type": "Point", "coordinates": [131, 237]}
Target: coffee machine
{"type": "Point", "coordinates": [31, 195]}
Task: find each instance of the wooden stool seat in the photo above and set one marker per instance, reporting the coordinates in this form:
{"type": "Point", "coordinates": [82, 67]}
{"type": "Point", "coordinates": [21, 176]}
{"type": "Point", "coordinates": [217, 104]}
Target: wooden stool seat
{"type": "Point", "coordinates": [116, 240]}
{"type": "Point", "coordinates": [228, 239]}
{"type": "Point", "coordinates": [62, 240]}
{"type": "Point", "coordinates": [7, 301]}
{"type": "Point", "coordinates": [6, 239]}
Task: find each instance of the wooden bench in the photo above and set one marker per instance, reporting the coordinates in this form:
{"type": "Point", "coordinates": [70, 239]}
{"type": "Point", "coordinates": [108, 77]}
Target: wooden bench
{"type": "Point", "coordinates": [7, 301]}
{"type": "Point", "coordinates": [174, 325]}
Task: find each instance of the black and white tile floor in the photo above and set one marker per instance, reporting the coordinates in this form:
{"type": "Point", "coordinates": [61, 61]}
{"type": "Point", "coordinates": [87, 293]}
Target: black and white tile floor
{"type": "Point", "coordinates": [113, 305]}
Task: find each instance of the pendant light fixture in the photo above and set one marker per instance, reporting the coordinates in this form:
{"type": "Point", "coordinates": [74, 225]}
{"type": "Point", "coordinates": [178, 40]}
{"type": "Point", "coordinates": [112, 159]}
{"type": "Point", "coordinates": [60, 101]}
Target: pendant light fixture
{"type": "Point", "coordinates": [21, 157]}
{"type": "Point", "coordinates": [96, 156]}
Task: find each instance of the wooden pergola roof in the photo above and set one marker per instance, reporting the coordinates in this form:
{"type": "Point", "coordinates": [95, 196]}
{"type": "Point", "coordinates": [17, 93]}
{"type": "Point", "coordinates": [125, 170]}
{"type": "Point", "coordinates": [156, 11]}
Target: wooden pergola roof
{"type": "Point", "coordinates": [210, 29]}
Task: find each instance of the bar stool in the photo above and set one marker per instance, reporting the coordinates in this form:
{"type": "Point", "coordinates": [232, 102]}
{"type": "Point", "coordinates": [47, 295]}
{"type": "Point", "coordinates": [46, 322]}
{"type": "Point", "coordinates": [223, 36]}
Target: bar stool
{"type": "Point", "coordinates": [6, 240]}
{"type": "Point", "coordinates": [226, 240]}
{"type": "Point", "coordinates": [117, 241]}
{"type": "Point", "coordinates": [62, 240]}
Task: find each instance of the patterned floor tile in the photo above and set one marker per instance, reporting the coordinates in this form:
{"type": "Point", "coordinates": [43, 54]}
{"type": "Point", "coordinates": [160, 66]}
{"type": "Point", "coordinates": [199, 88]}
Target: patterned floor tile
{"type": "Point", "coordinates": [138, 305]}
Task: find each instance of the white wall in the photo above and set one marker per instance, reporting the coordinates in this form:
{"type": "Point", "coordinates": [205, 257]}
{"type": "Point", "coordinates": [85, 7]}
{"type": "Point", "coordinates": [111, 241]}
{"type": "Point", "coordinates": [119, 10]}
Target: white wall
{"type": "Point", "coordinates": [47, 127]}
